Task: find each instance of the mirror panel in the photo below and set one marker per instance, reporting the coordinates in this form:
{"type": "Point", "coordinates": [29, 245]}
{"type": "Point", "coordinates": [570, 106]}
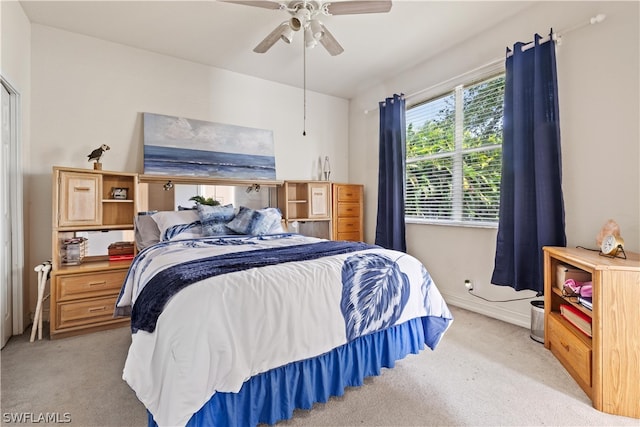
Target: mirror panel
{"type": "Point", "coordinates": [98, 241]}
{"type": "Point", "coordinates": [160, 199]}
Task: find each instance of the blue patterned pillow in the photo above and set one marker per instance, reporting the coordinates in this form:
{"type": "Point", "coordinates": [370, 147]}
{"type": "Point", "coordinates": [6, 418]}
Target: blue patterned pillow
{"type": "Point", "coordinates": [255, 222]}
{"type": "Point", "coordinates": [214, 219]}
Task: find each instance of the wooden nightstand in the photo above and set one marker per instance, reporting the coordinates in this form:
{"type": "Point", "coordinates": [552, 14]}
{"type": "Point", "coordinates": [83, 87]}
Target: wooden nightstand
{"type": "Point", "coordinates": [83, 294]}
{"type": "Point", "coordinates": [605, 365]}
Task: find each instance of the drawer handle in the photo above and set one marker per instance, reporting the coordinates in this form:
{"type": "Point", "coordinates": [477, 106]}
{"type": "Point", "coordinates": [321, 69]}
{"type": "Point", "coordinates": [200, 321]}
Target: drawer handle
{"type": "Point", "coordinates": [81, 188]}
{"type": "Point", "coordinates": [566, 346]}
{"type": "Point", "coordinates": [104, 282]}
{"type": "Point", "coordinates": [94, 309]}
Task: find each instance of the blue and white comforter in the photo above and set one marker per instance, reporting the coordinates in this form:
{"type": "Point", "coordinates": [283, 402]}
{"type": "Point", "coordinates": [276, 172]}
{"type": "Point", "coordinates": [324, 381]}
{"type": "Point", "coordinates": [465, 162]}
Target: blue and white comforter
{"type": "Point", "coordinates": [196, 334]}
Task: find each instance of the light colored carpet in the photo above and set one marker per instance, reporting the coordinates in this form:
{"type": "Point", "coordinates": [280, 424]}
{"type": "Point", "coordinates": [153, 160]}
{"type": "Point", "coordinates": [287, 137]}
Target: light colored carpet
{"type": "Point", "coordinates": [484, 373]}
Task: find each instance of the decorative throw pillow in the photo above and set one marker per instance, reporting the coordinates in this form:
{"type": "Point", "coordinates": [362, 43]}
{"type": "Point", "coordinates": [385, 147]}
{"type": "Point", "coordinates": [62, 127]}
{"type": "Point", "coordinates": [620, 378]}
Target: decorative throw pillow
{"type": "Point", "coordinates": [214, 219]}
{"type": "Point", "coordinates": [255, 222]}
{"type": "Point", "coordinates": [276, 228]}
{"type": "Point", "coordinates": [275, 217]}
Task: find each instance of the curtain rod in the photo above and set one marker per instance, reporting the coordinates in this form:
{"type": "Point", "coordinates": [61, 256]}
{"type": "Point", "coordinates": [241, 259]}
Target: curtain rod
{"type": "Point", "coordinates": [555, 36]}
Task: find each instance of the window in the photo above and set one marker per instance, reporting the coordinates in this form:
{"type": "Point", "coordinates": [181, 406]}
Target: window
{"type": "Point", "coordinates": [454, 156]}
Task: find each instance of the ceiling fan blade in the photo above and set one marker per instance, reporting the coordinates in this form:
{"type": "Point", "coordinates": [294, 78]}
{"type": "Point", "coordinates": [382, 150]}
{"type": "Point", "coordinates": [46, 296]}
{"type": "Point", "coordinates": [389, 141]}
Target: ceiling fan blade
{"type": "Point", "coordinates": [358, 6]}
{"type": "Point", "coordinates": [272, 38]}
{"type": "Point", "coordinates": [330, 43]}
{"type": "Point", "coordinates": [265, 4]}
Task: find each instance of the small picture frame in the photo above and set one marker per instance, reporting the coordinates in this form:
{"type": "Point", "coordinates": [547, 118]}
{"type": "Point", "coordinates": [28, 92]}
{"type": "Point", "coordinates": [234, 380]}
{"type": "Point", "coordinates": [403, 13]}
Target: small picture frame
{"type": "Point", "coordinates": [119, 193]}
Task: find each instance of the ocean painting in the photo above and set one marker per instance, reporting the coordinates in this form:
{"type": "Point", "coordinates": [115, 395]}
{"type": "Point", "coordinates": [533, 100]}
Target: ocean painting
{"type": "Point", "coordinates": [176, 146]}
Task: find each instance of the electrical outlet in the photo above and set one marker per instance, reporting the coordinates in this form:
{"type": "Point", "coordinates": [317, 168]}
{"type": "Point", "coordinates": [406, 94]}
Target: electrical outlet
{"type": "Point", "coordinates": [468, 284]}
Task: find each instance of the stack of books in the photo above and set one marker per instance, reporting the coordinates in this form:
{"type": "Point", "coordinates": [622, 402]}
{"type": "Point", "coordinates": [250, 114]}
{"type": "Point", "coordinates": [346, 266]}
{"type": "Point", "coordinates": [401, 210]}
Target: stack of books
{"type": "Point", "coordinates": [121, 251]}
{"type": "Point", "coordinates": [577, 318]}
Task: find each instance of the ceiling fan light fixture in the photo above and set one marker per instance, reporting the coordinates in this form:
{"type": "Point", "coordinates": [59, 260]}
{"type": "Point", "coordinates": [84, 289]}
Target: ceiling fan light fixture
{"type": "Point", "coordinates": [309, 39]}
{"type": "Point", "coordinates": [303, 14]}
{"type": "Point", "coordinates": [287, 35]}
{"type": "Point", "coordinates": [299, 19]}
{"type": "Point", "coordinates": [316, 29]}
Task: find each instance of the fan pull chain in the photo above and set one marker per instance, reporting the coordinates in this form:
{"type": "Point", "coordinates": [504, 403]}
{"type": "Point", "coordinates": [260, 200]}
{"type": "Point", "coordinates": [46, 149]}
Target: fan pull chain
{"type": "Point", "coordinates": [304, 84]}
{"type": "Point", "coordinates": [304, 90]}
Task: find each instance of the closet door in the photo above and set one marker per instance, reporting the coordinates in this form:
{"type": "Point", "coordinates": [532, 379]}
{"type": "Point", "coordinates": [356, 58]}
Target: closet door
{"type": "Point", "coordinates": [5, 228]}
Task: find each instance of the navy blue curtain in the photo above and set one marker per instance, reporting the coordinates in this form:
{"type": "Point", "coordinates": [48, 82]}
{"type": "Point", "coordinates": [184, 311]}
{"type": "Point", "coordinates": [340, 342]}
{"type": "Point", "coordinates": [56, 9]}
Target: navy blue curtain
{"type": "Point", "coordinates": [531, 202]}
{"type": "Point", "coordinates": [390, 231]}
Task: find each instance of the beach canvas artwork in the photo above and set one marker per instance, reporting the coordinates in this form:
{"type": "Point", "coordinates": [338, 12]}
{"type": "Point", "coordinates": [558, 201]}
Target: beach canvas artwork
{"type": "Point", "coordinates": [176, 146]}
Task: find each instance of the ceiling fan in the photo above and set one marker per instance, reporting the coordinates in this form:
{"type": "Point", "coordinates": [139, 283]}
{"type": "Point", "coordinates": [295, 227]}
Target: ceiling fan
{"type": "Point", "coordinates": [305, 16]}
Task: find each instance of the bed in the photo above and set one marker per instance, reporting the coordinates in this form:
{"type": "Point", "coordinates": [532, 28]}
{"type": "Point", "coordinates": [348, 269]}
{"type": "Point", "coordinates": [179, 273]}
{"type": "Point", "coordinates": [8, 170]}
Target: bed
{"type": "Point", "coordinates": [240, 323]}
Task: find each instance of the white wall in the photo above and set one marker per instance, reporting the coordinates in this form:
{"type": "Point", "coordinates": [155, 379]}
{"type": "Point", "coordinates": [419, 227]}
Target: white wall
{"type": "Point", "coordinates": [15, 68]}
{"type": "Point", "coordinates": [87, 92]}
{"type": "Point", "coordinates": [598, 78]}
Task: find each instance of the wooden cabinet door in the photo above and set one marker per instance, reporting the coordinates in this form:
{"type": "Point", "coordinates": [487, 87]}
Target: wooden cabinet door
{"type": "Point", "coordinates": [319, 200]}
{"type": "Point", "coordinates": [80, 199]}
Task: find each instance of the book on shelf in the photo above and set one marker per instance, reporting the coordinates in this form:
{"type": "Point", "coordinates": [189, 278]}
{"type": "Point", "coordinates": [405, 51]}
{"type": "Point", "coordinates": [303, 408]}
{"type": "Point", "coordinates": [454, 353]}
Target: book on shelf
{"type": "Point", "coordinates": [120, 257]}
{"type": "Point", "coordinates": [586, 302]}
{"type": "Point", "coordinates": [577, 318]}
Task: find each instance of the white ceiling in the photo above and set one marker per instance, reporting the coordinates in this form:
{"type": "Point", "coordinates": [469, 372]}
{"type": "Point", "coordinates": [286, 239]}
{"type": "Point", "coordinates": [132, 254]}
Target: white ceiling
{"type": "Point", "coordinates": [223, 35]}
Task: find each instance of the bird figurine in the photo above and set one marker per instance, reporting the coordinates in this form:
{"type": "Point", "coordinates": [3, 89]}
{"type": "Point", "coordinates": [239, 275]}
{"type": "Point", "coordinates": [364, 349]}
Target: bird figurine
{"type": "Point", "coordinates": [98, 152]}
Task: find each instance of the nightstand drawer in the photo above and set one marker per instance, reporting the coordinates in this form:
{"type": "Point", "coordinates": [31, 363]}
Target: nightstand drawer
{"type": "Point", "coordinates": [346, 225]}
{"type": "Point", "coordinates": [349, 193]}
{"type": "Point", "coordinates": [574, 354]}
{"type": "Point", "coordinates": [89, 285]}
{"type": "Point", "coordinates": [352, 236]}
{"type": "Point", "coordinates": [82, 313]}
{"type": "Point", "coordinates": [346, 209]}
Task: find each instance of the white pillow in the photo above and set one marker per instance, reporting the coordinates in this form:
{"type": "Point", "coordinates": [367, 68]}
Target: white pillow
{"type": "Point", "coordinates": [174, 225]}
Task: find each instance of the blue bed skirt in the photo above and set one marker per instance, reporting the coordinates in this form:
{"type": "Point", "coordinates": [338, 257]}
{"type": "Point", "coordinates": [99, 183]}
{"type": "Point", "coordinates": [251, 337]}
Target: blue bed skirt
{"type": "Point", "coordinates": [273, 395]}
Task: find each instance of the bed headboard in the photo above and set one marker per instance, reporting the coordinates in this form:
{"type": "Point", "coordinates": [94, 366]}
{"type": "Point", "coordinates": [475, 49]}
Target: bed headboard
{"type": "Point", "coordinates": [165, 193]}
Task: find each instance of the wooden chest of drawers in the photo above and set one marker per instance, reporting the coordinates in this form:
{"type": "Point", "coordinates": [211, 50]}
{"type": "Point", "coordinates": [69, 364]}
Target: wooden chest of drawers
{"type": "Point", "coordinates": [348, 206]}
{"type": "Point", "coordinates": [85, 301]}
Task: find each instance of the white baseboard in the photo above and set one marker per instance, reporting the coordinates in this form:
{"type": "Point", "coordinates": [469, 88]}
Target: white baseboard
{"type": "Point", "coordinates": [493, 311]}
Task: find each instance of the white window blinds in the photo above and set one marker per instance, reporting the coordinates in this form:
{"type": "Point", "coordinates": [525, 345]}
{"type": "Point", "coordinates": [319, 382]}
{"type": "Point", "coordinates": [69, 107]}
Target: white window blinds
{"type": "Point", "coordinates": [454, 150]}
